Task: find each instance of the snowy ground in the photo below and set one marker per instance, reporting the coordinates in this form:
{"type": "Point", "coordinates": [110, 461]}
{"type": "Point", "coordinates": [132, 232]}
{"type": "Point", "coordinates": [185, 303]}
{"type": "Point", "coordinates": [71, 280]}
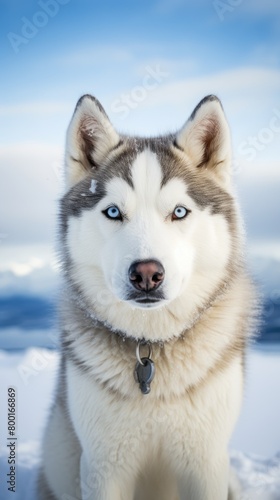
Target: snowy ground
{"type": "Point", "coordinates": [257, 436]}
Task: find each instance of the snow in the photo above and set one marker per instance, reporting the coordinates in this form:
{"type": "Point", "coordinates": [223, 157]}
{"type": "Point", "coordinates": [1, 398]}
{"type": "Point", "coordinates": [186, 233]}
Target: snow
{"type": "Point", "coordinates": [41, 282]}
{"type": "Point", "coordinates": [258, 429]}
{"type": "Point", "coordinates": [257, 437]}
{"type": "Point", "coordinates": [259, 477]}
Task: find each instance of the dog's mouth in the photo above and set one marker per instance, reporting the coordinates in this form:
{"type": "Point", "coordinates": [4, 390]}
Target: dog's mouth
{"type": "Point", "coordinates": [152, 299]}
{"type": "Point", "coordinates": [147, 301]}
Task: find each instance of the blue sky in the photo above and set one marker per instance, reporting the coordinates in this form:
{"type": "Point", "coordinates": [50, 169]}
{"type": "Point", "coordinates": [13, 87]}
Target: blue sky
{"type": "Point", "coordinates": [231, 48]}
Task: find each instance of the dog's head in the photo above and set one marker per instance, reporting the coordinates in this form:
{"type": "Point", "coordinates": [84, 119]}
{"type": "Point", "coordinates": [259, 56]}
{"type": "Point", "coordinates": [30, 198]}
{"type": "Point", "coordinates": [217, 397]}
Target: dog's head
{"type": "Point", "coordinates": [149, 225]}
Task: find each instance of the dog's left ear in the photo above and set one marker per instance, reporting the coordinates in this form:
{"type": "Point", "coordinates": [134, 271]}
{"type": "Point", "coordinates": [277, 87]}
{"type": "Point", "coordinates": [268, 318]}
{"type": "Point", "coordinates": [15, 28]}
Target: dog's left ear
{"type": "Point", "coordinates": [89, 141]}
{"type": "Point", "coordinates": [205, 138]}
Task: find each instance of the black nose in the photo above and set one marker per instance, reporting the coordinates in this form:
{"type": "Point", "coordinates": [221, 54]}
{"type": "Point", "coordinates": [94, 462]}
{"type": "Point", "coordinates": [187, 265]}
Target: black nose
{"type": "Point", "coordinates": [146, 275]}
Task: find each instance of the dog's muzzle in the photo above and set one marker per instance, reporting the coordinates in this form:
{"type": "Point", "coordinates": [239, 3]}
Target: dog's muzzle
{"type": "Point", "coordinates": [146, 277]}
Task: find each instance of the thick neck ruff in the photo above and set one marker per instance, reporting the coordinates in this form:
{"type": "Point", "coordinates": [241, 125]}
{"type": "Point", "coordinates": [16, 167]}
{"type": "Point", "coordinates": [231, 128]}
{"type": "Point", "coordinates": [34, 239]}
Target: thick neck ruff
{"type": "Point", "coordinates": [77, 298]}
{"type": "Point", "coordinates": [81, 303]}
{"type": "Point", "coordinates": [145, 367]}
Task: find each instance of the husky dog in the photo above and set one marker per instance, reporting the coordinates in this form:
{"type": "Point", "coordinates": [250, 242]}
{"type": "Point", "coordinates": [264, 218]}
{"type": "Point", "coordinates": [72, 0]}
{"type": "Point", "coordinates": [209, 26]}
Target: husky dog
{"type": "Point", "coordinates": [154, 313]}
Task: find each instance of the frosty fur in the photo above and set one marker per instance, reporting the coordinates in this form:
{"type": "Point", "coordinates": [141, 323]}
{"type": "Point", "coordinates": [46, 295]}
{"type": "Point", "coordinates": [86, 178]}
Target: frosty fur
{"type": "Point", "coordinates": [104, 439]}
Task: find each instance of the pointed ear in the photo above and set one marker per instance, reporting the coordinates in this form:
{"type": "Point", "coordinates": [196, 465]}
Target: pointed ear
{"type": "Point", "coordinates": [205, 138]}
{"type": "Point", "coordinates": [90, 138]}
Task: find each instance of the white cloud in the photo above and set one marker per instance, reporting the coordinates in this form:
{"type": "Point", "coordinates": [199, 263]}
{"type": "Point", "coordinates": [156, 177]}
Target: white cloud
{"type": "Point", "coordinates": [237, 81]}
{"type": "Point", "coordinates": [173, 66]}
{"type": "Point", "coordinates": [28, 269]}
{"type": "Point", "coordinates": [247, 170]}
{"type": "Point", "coordinates": [269, 249]}
{"type": "Point", "coordinates": [41, 282]}
{"type": "Point", "coordinates": [249, 96]}
{"type": "Point", "coordinates": [34, 108]}
{"type": "Point", "coordinates": [260, 204]}
{"type": "Point", "coordinates": [28, 196]}
{"type": "Point", "coordinates": [35, 256]}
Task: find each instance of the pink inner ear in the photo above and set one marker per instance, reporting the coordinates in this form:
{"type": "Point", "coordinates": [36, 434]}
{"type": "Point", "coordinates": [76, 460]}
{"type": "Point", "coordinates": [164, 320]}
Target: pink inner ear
{"type": "Point", "coordinates": [90, 132]}
{"type": "Point", "coordinates": [209, 131]}
{"type": "Point", "coordinates": [88, 127]}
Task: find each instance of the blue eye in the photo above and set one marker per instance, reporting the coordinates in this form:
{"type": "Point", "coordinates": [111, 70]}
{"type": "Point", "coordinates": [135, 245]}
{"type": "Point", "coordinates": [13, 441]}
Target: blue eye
{"type": "Point", "coordinates": [179, 213]}
{"type": "Point", "coordinates": [113, 213]}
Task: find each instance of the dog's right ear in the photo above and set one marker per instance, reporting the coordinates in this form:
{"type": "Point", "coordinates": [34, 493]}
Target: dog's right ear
{"type": "Point", "coordinates": [205, 139]}
{"type": "Point", "coordinates": [90, 138]}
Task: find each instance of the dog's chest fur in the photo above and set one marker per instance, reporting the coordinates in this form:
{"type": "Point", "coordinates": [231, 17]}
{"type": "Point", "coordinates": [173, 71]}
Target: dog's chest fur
{"type": "Point", "coordinates": [195, 375]}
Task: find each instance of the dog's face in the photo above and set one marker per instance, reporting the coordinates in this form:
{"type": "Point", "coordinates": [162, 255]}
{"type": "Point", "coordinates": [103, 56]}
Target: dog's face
{"type": "Point", "coordinates": [148, 224]}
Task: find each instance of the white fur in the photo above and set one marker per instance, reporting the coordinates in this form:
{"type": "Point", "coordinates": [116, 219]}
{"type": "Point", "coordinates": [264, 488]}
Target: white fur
{"type": "Point", "coordinates": [113, 444]}
{"type": "Point", "coordinates": [93, 186]}
{"type": "Point", "coordinates": [194, 251]}
{"type": "Point", "coordinates": [104, 436]}
{"type": "Point", "coordinates": [62, 456]}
